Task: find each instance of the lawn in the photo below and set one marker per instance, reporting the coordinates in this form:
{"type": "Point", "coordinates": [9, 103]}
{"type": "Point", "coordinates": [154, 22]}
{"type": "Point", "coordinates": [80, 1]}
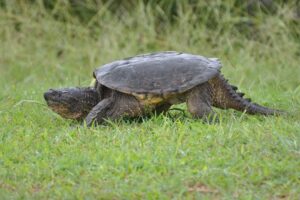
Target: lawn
{"type": "Point", "coordinates": [43, 156]}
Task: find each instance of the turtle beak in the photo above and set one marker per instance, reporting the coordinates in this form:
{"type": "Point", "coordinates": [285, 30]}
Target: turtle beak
{"type": "Point", "coordinates": [51, 94]}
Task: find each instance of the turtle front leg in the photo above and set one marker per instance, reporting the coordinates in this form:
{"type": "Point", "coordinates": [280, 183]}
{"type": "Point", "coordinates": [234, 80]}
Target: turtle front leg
{"type": "Point", "coordinates": [115, 107]}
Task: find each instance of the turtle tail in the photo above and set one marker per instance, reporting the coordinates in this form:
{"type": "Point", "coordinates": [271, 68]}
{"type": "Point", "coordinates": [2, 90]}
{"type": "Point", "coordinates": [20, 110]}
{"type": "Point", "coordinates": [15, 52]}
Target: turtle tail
{"type": "Point", "coordinates": [226, 96]}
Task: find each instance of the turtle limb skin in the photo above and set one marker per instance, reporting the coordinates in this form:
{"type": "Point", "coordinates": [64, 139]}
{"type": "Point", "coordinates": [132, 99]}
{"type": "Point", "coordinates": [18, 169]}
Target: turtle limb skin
{"type": "Point", "coordinates": [97, 114]}
{"type": "Point", "coordinates": [115, 107]}
{"type": "Point", "coordinates": [199, 102]}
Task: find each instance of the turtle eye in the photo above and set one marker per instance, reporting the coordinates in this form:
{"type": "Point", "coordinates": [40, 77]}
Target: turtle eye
{"type": "Point", "coordinates": [58, 94]}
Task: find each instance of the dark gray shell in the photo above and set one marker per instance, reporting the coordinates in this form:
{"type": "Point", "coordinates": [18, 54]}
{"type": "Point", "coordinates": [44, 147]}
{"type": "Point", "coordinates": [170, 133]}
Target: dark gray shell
{"type": "Point", "coordinates": [157, 73]}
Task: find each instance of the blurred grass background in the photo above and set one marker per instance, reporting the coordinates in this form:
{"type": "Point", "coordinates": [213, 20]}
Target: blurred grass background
{"type": "Point", "coordinates": [58, 43]}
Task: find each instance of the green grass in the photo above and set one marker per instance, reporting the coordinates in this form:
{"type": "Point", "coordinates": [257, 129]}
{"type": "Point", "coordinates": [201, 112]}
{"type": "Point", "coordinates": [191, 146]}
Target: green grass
{"type": "Point", "coordinates": [43, 156]}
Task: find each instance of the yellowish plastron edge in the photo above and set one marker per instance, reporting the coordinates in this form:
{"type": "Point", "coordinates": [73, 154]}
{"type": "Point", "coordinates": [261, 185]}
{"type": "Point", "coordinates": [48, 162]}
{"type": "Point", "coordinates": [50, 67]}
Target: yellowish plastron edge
{"type": "Point", "coordinates": [93, 82]}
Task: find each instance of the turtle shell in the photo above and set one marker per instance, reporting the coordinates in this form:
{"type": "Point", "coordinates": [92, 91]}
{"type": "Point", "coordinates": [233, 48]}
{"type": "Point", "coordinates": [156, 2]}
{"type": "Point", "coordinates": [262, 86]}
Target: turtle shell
{"type": "Point", "coordinates": [160, 73]}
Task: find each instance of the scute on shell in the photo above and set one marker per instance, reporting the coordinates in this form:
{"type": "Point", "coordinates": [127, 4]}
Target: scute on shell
{"type": "Point", "coordinates": [161, 73]}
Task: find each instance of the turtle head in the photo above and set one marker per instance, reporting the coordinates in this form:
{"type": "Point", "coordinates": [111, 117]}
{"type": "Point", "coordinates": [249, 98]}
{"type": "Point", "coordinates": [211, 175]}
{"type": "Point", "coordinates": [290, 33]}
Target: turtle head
{"type": "Point", "coordinates": [72, 103]}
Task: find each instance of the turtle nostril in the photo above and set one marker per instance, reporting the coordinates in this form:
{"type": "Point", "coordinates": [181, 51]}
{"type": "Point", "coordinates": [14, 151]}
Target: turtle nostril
{"type": "Point", "coordinates": [46, 95]}
{"type": "Point", "coordinates": [50, 94]}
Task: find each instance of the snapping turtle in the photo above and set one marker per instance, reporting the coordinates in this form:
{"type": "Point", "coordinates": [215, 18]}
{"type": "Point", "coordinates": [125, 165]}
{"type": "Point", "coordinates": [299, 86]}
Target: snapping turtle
{"type": "Point", "coordinates": [148, 83]}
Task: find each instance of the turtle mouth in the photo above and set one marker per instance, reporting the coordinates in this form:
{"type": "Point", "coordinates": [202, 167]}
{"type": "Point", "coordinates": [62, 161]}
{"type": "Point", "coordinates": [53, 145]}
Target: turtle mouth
{"type": "Point", "coordinates": [52, 103]}
{"type": "Point", "coordinates": [64, 111]}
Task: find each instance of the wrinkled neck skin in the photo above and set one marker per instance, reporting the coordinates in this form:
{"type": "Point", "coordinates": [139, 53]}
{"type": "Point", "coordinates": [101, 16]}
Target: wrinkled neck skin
{"type": "Point", "coordinates": [72, 103]}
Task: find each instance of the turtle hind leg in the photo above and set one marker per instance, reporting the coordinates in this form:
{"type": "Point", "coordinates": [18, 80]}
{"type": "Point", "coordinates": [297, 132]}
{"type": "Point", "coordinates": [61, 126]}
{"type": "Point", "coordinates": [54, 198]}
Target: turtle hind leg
{"type": "Point", "coordinates": [118, 105]}
{"type": "Point", "coordinates": [199, 102]}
